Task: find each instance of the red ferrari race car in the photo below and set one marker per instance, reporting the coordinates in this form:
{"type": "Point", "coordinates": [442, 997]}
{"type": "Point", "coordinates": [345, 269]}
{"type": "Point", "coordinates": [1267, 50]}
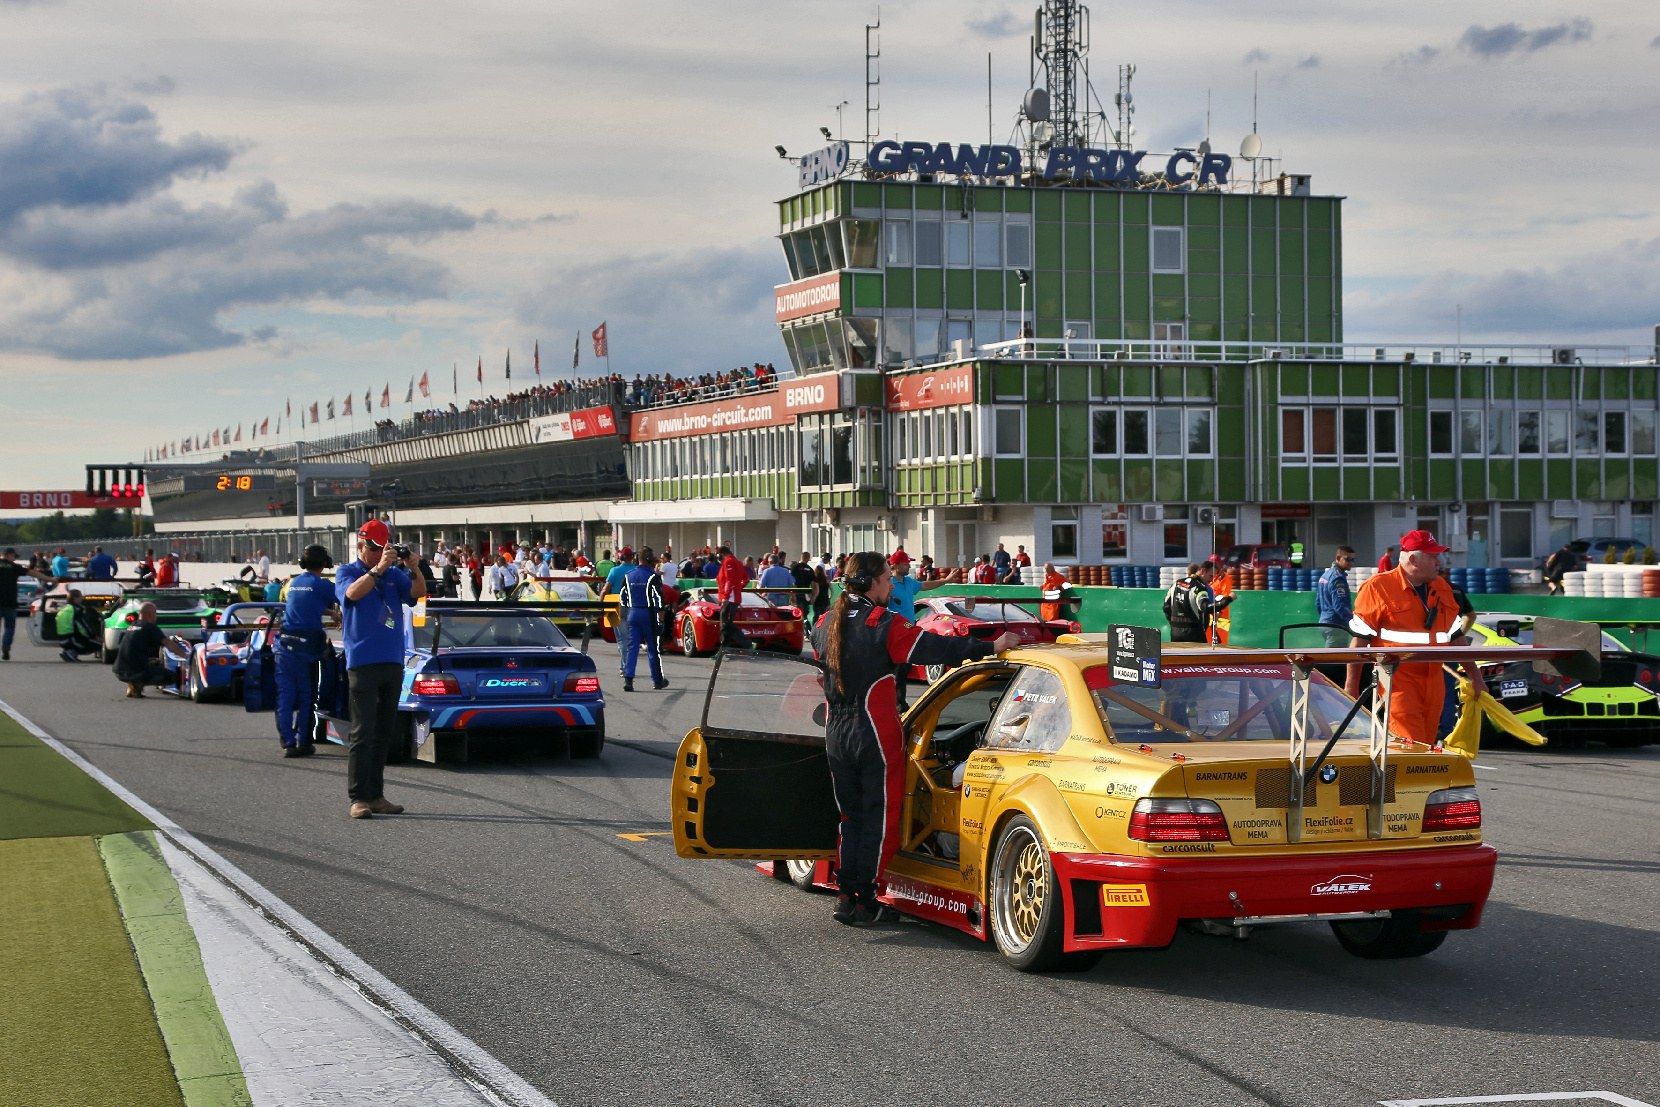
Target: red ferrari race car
{"type": "Point", "coordinates": [763, 624]}
{"type": "Point", "coordinates": [983, 617]}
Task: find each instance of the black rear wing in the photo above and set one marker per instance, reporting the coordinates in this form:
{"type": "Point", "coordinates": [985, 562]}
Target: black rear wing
{"type": "Point", "coordinates": [592, 612]}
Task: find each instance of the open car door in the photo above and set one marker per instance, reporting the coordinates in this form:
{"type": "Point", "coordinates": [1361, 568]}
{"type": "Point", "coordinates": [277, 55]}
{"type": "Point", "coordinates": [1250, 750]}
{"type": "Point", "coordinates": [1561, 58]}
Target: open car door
{"type": "Point", "coordinates": [752, 781]}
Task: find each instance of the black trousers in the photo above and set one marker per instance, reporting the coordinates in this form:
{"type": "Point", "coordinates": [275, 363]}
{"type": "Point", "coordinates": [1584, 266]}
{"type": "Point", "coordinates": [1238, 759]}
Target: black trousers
{"type": "Point", "coordinates": [867, 771]}
{"type": "Point", "coordinates": [372, 694]}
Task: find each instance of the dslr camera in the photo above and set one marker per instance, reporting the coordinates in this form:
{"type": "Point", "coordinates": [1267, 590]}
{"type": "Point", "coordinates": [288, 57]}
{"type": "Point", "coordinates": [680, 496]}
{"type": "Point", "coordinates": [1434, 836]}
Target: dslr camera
{"type": "Point", "coordinates": [401, 550]}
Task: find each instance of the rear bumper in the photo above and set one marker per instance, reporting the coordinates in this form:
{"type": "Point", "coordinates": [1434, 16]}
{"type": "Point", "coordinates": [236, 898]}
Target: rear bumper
{"type": "Point", "coordinates": [1132, 901]}
{"type": "Point", "coordinates": [507, 716]}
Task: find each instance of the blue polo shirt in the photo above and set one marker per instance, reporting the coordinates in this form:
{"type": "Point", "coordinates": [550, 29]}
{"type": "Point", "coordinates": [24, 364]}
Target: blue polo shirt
{"type": "Point", "coordinates": [614, 579]}
{"type": "Point", "coordinates": [100, 567]}
{"type": "Point", "coordinates": [903, 600]}
{"type": "Point", "coordinates": [371, 629]}
{"type": "Point", "coordinates": [309, 595]}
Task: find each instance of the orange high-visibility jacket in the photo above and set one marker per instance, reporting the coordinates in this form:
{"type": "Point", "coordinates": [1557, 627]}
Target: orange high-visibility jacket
{"type": "Point", "coordinates": [1389, 611]}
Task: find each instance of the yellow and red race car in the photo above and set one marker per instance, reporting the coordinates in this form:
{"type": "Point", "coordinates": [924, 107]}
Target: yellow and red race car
{"type": "Point", "coordinates": [1061, 806]}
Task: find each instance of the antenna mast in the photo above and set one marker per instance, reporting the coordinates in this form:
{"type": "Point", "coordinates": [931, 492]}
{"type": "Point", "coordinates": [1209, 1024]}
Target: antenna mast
{"type": "Point", "coordinates": [873, 79]}
{"type": "Point", "coordinates": [1060, 45]}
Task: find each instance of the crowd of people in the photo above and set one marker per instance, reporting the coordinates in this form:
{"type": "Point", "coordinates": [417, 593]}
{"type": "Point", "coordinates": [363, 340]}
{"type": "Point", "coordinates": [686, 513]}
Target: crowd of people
{"type": "Point", "coordinates": [666, 388]}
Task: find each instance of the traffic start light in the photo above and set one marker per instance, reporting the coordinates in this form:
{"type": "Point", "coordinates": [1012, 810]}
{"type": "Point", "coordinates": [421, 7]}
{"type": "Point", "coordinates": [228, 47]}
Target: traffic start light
{"type": "Point", "coordinates": [118, 482]}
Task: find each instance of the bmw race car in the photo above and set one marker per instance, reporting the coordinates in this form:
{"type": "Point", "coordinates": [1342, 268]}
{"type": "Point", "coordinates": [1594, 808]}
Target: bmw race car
{"type": "Point", "coordinates": [212, 664]}
{"type": "Point", "coordinates": [1621, 707]}
{"type": "Point", "coordinates": [762, 623]}
{"type": "Point", "coordinates": [483, 670]}
{"type": "Point", "coordinates": [982, 617]}
{"type": "Point", "coordinates": [181, 612]}
{"type": "Point", "coordinates": [1070, 799]}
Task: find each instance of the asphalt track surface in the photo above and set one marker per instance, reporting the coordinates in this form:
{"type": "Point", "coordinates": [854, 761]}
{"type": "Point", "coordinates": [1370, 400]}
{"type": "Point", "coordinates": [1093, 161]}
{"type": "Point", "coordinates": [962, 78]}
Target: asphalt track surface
{"type": "Point", "coordinates": [605, 970]}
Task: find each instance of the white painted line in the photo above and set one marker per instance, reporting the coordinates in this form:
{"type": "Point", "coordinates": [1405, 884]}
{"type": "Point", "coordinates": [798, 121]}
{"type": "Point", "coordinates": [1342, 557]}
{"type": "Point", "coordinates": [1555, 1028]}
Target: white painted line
{"type": "Point", "coordinates": [468, 1058]}
{"type": "Point", "coordinates": [1534, 1097]}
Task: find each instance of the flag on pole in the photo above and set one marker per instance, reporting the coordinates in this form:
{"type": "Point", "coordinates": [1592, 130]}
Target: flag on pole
{"type": "Point", "coordinates": [314, 410]}
{"type": "Point", "coordinates": [576, 350]}
{"type": "Point", "coordinates": [265, 424]}
{"type": "Point", "coordinates": [239, 432]}
{"type": "Point", "coordinates": [409, 397]}
{"type": "Point", "coordinates": [290, 411]}
{"type": "Point", "coordinates": [331, 408]}
{"type": "Point", "coordinates": [347, 409]}
{"type": "Point", "coordinates": [424, 392]}
{"type": "Point", "coordinates": [454, 386]}
{"type": "Point", "coordinates": [386, 395]}
{"type": "Point", "coordinates": [216, 436]}
{"type": "Point", "coordinates": [538, 356]}
{"type": "Point", "coordinates": [481, 370]}
{"type": "Point", "coordinates": [227, 434]}
{"type": "Point", "coordinates": [600, 347]}
{"type": "Point", "coordinates": [510, 365]}
{"type": "Point", "coordinates": [368, 402]}
{"type": "Point", "coordinates": [279, 426]}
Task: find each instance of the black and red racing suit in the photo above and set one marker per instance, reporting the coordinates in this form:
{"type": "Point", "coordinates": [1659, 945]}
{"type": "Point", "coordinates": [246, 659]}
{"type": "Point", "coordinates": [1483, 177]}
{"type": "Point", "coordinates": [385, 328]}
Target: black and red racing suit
{"type": "Point", "coordinates": [862, 737]}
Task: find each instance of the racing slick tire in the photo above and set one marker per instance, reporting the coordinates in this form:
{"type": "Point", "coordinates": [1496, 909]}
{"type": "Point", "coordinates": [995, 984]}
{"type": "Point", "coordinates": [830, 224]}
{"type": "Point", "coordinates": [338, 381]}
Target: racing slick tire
{"type": "Point", "coordinates": [106, 655]}
{"type": "Point", "coordinates": [688, 639]}
{"type": "Point", "coordinates": [196, 688]}
{"type": "Point", "coordinates": [1027, 915]}
{"type": "Point", "coordinates": [589, 741]}
{"type": "Point", "coordinates": [1400, 935]}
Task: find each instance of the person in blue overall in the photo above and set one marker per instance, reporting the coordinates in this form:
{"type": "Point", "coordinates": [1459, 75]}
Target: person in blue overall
{"type": "Point", "coordinates": [641, 594]}
{"type": "Point", "coordinates": [299, 651]}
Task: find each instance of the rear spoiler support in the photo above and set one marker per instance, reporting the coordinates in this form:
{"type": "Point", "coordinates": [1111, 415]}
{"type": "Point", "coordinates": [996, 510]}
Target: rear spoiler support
{"type": "Point", "coordinates": [1377, 749]}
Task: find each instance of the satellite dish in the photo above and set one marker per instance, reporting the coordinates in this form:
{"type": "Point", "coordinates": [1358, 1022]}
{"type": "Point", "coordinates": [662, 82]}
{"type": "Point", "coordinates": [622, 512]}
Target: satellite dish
{"type": "Point", "coordinates": [1036, 105]}
{"type": "Point", "coordinates": [1043, 134]}
{"type": "Point", "coordinates": [1251, 147]}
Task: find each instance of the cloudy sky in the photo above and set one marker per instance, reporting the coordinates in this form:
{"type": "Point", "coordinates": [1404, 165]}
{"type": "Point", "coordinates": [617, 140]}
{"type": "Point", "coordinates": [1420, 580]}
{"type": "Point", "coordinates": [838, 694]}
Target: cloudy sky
{"type": "Point", "coordinates": [210, 209]}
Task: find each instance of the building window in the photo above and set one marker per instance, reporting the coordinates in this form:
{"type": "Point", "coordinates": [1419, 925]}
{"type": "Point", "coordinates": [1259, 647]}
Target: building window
{"type": "Point", "coordinates": [1469, 433]}
{"type": "Point", "coordinates": [1170, 339]}
{"type": "Point", "coordinates": [1527, 432]}
{"type": "Point", "coordinates": [1009, 431]}
{"type": "Point", "coordinates": [1613, 432]}
{"type": "Point", "coordinates": [1169, 251]}
{"type": "Point", "coordinates": [1556, 433]}
{"type": "Point", "coordinates": [1355, 446]}
{"type": "Point", "coordinates": [1063, 533]}
{"type": "Point", "coordinates": [927, 243]}
{"type": "Point", "coordinates": [1136, 441]}
{"type": "Point", "coordinates": [1642, 433]}
{"type": "Point", "coordinates": [988, 244]}
{"type": "Point", "coordinates": [1103, 432]}
{"type": "Point", "coordinates": [1440, 433]}
{"type": "Point", "coordinates": [1498, 433]}
{"type": "Point", "coordinates": [896, 243]}
{"type": "Point", "coordinates": [1586, 442]}
{"type": "Point", "coordinates": [1323, 433]}
{"type": "Point", "coordinates": [957, 238]}
{"type": "Point", "coordinates": [1017, 240]}
{"type": "Point", "coordinates": [862, 236]}
{"type": "Point", "coordinates": [1293, 432]}
{"type": "Point", "coordinates": [1199, 440]}
{"type": "Point", "coordinates": [1386, 439]}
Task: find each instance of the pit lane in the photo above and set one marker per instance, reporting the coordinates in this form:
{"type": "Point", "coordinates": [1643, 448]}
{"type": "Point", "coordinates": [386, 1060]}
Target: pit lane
{"type": "Point", "coordinates": [536, 905]}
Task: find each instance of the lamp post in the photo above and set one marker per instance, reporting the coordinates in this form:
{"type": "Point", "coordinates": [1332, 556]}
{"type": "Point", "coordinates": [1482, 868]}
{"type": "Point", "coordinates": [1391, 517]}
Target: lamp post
{"type": "Point", "coordinates": [1024, 276]}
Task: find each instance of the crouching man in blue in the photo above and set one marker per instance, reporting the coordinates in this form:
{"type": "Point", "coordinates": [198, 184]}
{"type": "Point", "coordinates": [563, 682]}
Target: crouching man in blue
{"type": "Point", "coordinates": [373, 591]}
{"type": "Point", "coordinates": [299, 651]}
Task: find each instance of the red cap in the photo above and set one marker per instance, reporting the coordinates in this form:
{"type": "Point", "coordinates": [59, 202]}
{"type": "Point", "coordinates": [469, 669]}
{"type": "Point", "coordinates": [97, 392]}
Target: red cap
{"type": "Point", "coordinates": [375, 531]}
{"type": "Point", "coordinates": [625, 553]}
{"type": "Point", "coordinates": [899, 557]}
{"type": "Point", "coordinates": [1215, 559]}
{"type": "Point", "coordinates": [1415, 540]}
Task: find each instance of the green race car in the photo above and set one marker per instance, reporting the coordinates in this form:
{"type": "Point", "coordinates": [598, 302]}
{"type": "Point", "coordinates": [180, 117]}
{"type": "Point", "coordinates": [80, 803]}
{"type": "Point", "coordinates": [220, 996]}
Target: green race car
{"type": "Point", "coordinates": [1620, 708]}
{"type": "Point", "coordinates": [180, 612]}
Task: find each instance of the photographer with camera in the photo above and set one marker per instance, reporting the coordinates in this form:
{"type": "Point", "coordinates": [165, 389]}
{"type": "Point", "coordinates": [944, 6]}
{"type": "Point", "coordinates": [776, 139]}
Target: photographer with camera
{"type": "Point", "coordinates": [373, 592]}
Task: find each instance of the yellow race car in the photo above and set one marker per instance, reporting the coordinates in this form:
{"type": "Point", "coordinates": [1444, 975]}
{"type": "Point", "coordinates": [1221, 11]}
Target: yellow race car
{"type": "Point", "coordinates": [1063, 805]}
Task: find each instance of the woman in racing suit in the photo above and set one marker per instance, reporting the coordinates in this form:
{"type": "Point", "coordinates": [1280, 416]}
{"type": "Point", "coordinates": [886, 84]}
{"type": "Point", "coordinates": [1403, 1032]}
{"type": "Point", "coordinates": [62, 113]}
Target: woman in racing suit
{"type": "Point", "coordinates": [867, 650]}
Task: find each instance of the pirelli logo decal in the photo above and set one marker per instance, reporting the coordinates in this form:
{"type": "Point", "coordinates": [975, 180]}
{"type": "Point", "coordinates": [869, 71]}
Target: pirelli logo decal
{"type": "Point", "coordinates": [1124, 895]}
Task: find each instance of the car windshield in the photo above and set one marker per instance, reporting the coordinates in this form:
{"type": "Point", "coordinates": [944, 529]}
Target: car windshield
{"type": "Point", "coordinates": [487, 630]}
{"type": "Point", "coordinates": [174, 603]}
{"type": "Point", "coordinates": [1273, 553]}
{"type": "Point", "coordinates": [247, 616]}
{"type": "Point", "coordinates": [570, 590]}
{"type": "Point", "coordinates": [991, 611]}
{"type": "Point", "coordinates": [1218, 703]}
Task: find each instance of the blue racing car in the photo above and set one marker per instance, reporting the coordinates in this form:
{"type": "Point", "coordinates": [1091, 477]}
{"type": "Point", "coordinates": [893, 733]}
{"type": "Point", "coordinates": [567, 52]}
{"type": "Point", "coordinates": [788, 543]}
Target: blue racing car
{"type": "Point", "coordinates": [485, 670]}
{"type": "Point", "coordinates": [216, 667]}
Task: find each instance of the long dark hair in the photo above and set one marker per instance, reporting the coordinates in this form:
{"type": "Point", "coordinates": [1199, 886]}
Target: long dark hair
{"type": "Point", "coordinates": [859, 573]}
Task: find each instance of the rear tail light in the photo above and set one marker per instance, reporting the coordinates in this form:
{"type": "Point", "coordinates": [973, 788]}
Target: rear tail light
{"type": "Point", "coordinates": [1452, 809]}
{"type": "Point", "coordinates": [1177, 820]}
{"type": "Point", "coordinates": [130, 618]}
{"type": "Point", "coordinates": [582, 684]}
{"type": "Point", "coordinates": [1077, 628]}
{"type": "Point", "coordinates": [436, 684]}
{"type": "Point", "coordinates": [795, 612]}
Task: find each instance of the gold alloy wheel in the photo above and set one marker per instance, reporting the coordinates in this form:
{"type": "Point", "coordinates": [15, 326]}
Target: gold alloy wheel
{"type": "Point", "coordinates": [1020, 888]}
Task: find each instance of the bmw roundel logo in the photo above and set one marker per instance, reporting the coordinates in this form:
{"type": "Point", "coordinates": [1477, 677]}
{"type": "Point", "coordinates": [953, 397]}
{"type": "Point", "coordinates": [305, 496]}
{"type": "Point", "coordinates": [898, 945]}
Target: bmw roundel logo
{"type": "Point", "coordinates": [1328, 773]}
